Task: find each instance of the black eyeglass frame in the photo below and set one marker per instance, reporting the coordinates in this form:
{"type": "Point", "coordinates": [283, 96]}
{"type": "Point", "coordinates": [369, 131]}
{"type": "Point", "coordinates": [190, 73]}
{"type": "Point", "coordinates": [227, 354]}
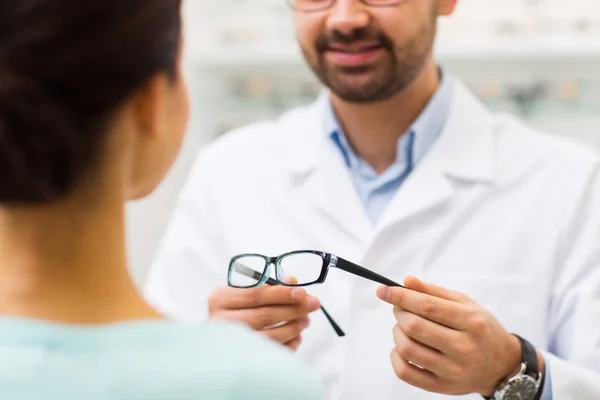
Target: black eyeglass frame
{"type": "Point", "coordinates": [389, 3]}
{"type": "Point", "coordinates": [329, 261]}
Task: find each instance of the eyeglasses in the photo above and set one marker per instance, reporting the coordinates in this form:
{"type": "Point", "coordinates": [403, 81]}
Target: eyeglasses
{"type": "Point", "coordinates": [320, 5]}
{"type": "Point", "coordinates": [306, 267]}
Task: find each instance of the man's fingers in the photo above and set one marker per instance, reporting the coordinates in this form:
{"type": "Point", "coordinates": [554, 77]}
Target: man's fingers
{"type": "Point", "coordinates": [233, 299]}
{"type": "Point", "coordinates": [261, 317]}
{"type": "Point", "coordinates": [421, 355]}
{"type": "Point", "coordinates": [294, 344]}
{"type": "Point", "coordinates": [287, 333]}
{"type": "Point", "coordinates": [290, 280]}
{"type": "Point", "coordinates": [428, 333]}
{"type": "Point", "coordinates": [412, 374]}
{"type": "Point", "coordinates": [441, 311]}
{"type": "Point", "coordinates": [416, 284]}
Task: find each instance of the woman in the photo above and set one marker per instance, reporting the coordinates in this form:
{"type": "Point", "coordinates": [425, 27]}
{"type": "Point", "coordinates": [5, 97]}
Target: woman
{"type": "Point", "coordinates": [92, 113]}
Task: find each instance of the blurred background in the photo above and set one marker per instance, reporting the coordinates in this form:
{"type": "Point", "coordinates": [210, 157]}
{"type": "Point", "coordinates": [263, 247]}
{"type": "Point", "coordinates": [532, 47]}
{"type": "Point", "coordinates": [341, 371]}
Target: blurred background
{"type": "Point", "coordinates": [537, 59]}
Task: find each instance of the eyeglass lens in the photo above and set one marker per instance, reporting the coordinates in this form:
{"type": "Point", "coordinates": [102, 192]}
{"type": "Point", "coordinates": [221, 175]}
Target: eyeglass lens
{"type": "Point", "coordinates": [247, 271]}
{"type": "Point", "coordinates": [306, 268]}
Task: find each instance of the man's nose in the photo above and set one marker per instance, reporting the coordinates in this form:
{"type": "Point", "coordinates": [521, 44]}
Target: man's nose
{"type": "Point", "coordinates": [345, 16]}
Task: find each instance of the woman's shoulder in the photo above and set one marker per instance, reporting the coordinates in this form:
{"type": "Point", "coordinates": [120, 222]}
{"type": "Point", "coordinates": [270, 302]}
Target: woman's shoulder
{"type": "Point", "coordinates": [252, 366]}
{"type": "Point", "coordinates": [261, 368]}
{"type": "Point", "coordinates": [152, 360]}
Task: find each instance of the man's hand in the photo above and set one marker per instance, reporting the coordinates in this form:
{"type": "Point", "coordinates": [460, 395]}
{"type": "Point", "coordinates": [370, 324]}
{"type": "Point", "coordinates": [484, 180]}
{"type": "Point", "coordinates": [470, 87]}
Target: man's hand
{"type": "Point", "coordinates": [279, 312]}
{"type": "Point", "coordinates": [446, 343]}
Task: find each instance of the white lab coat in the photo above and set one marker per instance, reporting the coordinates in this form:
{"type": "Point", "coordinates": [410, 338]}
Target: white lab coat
{"type": "Point", "coordinates": [496, 210]}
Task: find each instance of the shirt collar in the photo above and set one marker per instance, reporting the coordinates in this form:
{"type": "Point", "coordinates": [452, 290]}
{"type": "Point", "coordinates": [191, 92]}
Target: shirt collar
{"type": "Point", "coordinates": [425, 130]}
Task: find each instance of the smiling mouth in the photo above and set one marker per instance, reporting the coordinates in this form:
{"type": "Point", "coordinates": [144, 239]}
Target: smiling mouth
{"type": "Point", "coordinates": [354, 55]}
{"type": "Point", "coordinates": [354, 48]}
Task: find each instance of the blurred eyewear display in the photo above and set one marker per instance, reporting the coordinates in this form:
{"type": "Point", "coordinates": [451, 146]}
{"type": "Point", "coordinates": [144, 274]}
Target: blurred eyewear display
{"type": "Point", "coordinates": [254, 27]}
{"type": "Point", "coordinates": [294, 269]}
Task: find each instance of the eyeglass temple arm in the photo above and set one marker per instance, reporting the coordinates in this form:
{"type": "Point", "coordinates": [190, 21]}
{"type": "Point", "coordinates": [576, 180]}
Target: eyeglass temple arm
{"type": "Point", "coordinates": [360, 271]}
{"type": "Point", "coordinates": [334, 324]}
{"type": "Point", "coordinates": [249, 272]}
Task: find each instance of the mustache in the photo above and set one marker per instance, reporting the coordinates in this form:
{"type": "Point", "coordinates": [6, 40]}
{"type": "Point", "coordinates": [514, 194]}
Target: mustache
{"type": "Point", "coordinates": [326, 40]}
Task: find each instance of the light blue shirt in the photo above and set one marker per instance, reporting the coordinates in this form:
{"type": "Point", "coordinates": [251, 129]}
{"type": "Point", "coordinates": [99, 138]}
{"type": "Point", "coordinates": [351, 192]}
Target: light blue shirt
{"type": "Point", "coordinates": [377, 190]}
{"type": "Point", "coordinates": [147, 360]}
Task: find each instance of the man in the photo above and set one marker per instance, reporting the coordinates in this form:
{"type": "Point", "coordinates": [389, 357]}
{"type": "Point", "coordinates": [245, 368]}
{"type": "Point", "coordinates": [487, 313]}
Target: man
{"type": "Point", "coordinates": [398, 168]}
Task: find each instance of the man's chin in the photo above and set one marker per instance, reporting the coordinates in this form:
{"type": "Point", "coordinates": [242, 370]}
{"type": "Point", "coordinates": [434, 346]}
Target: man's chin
{"type": "Point", "coordinates": [366, 92]}
{"type": "Point", "coordinates": [356, 84]}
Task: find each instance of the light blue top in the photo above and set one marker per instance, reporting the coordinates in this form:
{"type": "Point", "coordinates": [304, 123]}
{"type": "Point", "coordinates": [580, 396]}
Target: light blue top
{"type": "Point", "coordinates": [147, 360]}
{"type": "Point", "coordinates": [377, 190]}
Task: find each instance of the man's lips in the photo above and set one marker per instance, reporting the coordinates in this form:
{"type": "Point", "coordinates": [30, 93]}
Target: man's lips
{"type": "Point", "coordinates": [353, 54]}
{"type": "Point", "coordinates": [356, 47]}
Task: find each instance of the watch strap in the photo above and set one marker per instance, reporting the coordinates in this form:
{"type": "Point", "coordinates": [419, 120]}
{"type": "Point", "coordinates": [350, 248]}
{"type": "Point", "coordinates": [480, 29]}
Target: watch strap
{"type": "Point", "coordinates": [529, 357]}
{"type": "Point", "coordinates": [540, 388]}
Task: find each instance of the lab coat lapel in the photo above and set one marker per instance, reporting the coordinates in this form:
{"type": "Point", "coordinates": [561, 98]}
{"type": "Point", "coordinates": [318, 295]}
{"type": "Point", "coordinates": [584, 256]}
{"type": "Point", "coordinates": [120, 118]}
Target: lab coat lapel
{"type": "Point", "coordinates": [424, 189]}
{"type": "Point", "coordinates": [332, 190]}
{"type": "Point", "coordinates": [464, 151]}
{"type": "Point", "coordinates": [319, 169]}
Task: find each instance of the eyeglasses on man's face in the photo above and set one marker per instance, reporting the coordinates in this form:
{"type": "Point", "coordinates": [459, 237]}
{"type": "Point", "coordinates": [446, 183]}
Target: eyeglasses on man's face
{"type": "Point", "coordinates": [306, 267]}
{"type": "Point", "coordinates": [321, 5]}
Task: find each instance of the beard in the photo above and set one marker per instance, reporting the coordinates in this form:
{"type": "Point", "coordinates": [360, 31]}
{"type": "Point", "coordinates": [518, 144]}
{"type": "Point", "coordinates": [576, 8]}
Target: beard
{"type": "Point", "coordinates": [389, 74]}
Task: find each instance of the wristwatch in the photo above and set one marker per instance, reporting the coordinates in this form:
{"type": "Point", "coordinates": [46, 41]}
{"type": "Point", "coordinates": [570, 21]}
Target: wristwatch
{"type": "Point", "coordinates": [526, 383]}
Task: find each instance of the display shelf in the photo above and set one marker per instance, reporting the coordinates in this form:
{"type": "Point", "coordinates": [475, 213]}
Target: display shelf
{"type": "Point", "coordinates": [537, 48]}
{"type": "Point", "coordinates": [509, 51]}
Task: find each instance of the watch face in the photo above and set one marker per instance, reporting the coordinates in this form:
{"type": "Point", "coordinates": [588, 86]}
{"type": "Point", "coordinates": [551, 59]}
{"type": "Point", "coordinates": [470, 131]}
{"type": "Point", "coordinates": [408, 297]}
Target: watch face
{"type": "Point", "coordinates": [522, 389]}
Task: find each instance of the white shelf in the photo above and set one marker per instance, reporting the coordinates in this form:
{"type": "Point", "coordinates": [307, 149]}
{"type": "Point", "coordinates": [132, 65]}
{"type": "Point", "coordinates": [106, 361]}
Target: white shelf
{"type": "Point", "coordinates": [524, 50]}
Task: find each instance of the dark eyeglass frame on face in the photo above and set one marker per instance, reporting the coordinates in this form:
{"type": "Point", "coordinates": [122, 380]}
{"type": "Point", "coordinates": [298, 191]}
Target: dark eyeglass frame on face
{"type": "Point", "coordinates": [329, 261]}
{"type": "Point", "coordinates": [322, 5]}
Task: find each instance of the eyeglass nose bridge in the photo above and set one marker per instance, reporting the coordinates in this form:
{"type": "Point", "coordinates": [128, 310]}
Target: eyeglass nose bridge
{"type": "Point", "coordinates": [279, 272]}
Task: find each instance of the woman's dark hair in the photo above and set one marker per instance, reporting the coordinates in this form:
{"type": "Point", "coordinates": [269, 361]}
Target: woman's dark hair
{"type": "Point", "coordinates": [65, 66]}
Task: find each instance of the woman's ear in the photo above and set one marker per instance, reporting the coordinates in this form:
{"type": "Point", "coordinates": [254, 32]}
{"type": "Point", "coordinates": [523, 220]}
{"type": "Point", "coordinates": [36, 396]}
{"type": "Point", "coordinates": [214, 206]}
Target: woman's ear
{"type": "Point", "coordinates": [148, 102]}
{"type": "Point", "coordinates": [446, 7]}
